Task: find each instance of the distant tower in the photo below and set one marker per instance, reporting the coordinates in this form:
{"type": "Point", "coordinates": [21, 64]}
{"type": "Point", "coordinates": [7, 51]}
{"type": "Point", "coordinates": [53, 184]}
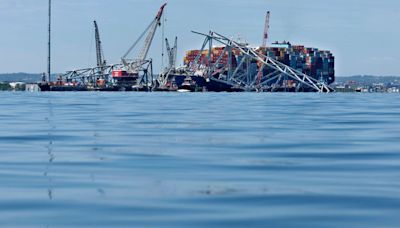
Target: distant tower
{"type": "Point", "coordinates": [49, 47]}
{"type": "Point", "coordinates": [266, 31]}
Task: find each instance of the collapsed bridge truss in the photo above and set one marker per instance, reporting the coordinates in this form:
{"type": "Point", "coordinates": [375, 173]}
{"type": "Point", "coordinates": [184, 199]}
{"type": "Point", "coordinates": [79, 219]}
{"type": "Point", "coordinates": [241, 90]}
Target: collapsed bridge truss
{"type": "Point", "coordinates": [272, 75]}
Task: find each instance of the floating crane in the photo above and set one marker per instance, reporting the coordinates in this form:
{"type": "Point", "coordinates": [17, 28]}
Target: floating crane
{"type": "Point", "coordinates": [164, 77]}
{"type": "Point", "coordinates": [133, 65]}
{"type": "Point", "coordinates": [131, 74]}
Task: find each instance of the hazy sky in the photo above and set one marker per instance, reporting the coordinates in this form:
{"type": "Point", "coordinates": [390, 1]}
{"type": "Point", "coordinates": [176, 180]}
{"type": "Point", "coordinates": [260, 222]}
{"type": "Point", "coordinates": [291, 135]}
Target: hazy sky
{"type": "Point", "coordinates": [364, 35]}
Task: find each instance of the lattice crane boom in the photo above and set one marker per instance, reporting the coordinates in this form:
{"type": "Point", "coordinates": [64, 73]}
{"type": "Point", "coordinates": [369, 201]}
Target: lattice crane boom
{"type": "Point", "coordinates": [172, 52]}
{"type": "Point", "coordinates": [149, 39]}
{"type": "Point", "coordinates": [266, 30]}
{"type": "Point", "coordinates": [150, 31]}
{"type": "Point", "coordinates": [263, 46]}
{"type": "Point", "coordinates": [175, 52]}
{"type": "Point", "coordinates": [169, 50]}
{"type": "Point", "coordinates": [99, 49]}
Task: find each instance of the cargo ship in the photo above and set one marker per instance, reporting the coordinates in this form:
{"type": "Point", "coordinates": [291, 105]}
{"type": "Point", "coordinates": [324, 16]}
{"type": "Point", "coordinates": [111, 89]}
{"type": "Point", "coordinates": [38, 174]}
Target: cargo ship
{"type": "Point", "coordinates": [318, 64]}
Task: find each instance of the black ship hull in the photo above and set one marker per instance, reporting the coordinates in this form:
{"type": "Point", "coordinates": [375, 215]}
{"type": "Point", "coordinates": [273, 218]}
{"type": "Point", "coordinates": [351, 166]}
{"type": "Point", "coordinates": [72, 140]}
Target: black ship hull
{"type": "Point", "coordinates": [54, 88]}
{"type": "Point", "coordinates": [211, 85]}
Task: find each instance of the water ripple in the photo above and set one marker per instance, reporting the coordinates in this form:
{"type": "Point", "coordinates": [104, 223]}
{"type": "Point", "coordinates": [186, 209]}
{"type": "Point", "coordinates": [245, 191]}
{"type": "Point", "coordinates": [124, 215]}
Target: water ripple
{"type": "Point", "coordinates": [199, 160]}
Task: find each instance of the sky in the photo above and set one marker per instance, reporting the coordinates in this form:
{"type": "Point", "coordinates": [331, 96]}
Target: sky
{"type": "Point", "coordinates": [363, 35]}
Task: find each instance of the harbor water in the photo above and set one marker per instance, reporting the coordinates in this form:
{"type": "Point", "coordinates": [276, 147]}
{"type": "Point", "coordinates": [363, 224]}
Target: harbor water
{"type": "Point", "coordinates": [199, 160]}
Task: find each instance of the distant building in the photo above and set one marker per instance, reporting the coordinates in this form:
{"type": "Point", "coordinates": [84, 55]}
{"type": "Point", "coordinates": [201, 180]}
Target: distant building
{"type": "Point", "coordinates": [32, 88]}
{"type": "Point", "coordinates": [17, 85]}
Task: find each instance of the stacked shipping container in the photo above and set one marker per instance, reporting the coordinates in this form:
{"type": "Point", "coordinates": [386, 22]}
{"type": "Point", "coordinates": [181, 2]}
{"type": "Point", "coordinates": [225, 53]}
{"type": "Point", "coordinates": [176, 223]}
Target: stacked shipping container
{"type": "Point", "coordinates": [215, 54]}
{"type": "Point", "coordinates": [316, 63]}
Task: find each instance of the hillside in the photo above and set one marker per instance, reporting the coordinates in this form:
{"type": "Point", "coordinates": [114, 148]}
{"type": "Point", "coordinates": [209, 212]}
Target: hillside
{"type": "Point", "coordinates": [20, 77]}
{"type": "Point", "coordinates": [368, 79]}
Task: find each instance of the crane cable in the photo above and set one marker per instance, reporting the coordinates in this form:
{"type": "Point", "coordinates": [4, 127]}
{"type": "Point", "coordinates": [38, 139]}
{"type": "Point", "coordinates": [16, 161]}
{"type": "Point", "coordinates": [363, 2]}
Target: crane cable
{"type": "Point", "coordinates": [138, 40]}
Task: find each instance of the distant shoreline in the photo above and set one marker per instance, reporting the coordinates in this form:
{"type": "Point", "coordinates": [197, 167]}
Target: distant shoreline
{"type": "Point", "coordinates": [36, 77]}
{"type": "Point", "coordinates": [357, 83]}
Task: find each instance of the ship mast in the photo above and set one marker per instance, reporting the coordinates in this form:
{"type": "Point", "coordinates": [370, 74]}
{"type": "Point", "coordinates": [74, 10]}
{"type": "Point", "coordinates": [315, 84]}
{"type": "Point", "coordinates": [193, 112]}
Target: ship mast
{"type": "Point", "coordinates": [49, 47]}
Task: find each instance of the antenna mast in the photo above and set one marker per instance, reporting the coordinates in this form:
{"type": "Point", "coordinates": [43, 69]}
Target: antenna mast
{"type": "Point", "coordinates": [49, 47]}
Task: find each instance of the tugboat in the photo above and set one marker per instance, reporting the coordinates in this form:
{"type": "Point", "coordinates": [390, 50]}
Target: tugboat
{"type": "Point", "coordinates": [211, 84]}
{"type": "Point", "coordinates": [187, 86]}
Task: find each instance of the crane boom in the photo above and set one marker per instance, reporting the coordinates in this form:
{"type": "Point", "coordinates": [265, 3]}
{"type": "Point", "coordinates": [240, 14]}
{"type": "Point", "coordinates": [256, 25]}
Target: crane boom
{"type": "Point", "coordinates": [99, 50]}
{"type": "Point", "coordinates": [150, 36]}
{"type": "Point", "coordinates": [150, 30]}
{"type": "Point", "coordinates": [170, 60]}
{"type": "Point", "coordinates": [172, 53]}
{"type": "Point", "coordinates": [266, 31]}
{"type": "Point", "coordinates": [175, 52]}
{"type": "Point", "coordinates": [263, 46]}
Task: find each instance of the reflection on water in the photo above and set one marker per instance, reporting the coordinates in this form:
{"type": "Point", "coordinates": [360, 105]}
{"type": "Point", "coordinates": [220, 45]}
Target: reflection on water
{"type": "Point", "coordinates": [50, 149]}
{"type": "Point", "coordinates": [196, 160]}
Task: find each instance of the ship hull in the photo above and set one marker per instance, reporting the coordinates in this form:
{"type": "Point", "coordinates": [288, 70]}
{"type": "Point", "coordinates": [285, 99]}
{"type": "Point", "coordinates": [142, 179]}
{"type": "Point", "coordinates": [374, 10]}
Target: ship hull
{"type": "Point", "coordinates": [44, 87]}
{"type": "Point", "coordinates": [212, 85]}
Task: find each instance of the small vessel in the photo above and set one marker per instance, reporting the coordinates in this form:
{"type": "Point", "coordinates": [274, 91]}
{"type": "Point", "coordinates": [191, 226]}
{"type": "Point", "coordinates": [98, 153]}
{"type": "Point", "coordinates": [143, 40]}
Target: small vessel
{"type": "Point", "coordinates": [187, 86]}
{"type": "Point", "coordinates": [212, 84]}
{"type": "Point", "coordinates": [125, 80]}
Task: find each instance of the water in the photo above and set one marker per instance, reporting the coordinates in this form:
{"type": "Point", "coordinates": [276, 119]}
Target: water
{"type": "Point", "coordinates": [199, 160]}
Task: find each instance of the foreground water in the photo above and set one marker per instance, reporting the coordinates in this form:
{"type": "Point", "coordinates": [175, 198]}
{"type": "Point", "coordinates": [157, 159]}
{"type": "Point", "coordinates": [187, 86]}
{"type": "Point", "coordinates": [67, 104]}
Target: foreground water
{"type": "Point", "coordinates": [196, 160]}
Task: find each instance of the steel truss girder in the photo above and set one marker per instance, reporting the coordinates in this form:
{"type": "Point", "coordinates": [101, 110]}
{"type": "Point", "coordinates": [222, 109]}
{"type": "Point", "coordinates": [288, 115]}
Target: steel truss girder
{"type": "Point", "coordinates": [90, 75]}
{"type": "Point", "coordinates": [251, 54]}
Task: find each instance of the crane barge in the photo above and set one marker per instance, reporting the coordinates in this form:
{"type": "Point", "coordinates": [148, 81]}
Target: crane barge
{"type": "Point", "coordinates": [129, 74]}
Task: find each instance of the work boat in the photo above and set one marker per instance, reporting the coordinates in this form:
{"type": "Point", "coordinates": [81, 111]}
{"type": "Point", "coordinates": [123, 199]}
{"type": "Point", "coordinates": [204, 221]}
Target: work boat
{"type": "Point", "coordinates": [187, 86]}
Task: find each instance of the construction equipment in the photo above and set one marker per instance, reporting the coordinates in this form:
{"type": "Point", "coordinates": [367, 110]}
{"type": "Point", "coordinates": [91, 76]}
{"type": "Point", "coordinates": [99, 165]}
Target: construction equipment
{"type": "Point", "coordinates": [164, 78]}
{"type": "Point", "coordinates": [49, 47]}
{"type": "Point", "coordinates": [133, 65]}
{"type": "Point", "coordinates": [101, 62]}
{"type": "Point", "coordinates": [266, 31]}
{"type": "Point", "coordinates": [100, 80]}
{"type": "Point", "coordinates": [135, 72]}
{"type": "Point", "coordinates": [131, 74]}
{"type": "Point", "coordinates": [263, 47]}
{"type": "Point", "coordinates": [172, 53]}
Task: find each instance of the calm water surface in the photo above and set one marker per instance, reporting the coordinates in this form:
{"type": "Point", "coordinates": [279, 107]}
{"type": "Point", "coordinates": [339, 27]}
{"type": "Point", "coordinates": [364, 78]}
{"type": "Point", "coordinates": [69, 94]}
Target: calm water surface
{"type": "Point", "coordinates": [199, 160]}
